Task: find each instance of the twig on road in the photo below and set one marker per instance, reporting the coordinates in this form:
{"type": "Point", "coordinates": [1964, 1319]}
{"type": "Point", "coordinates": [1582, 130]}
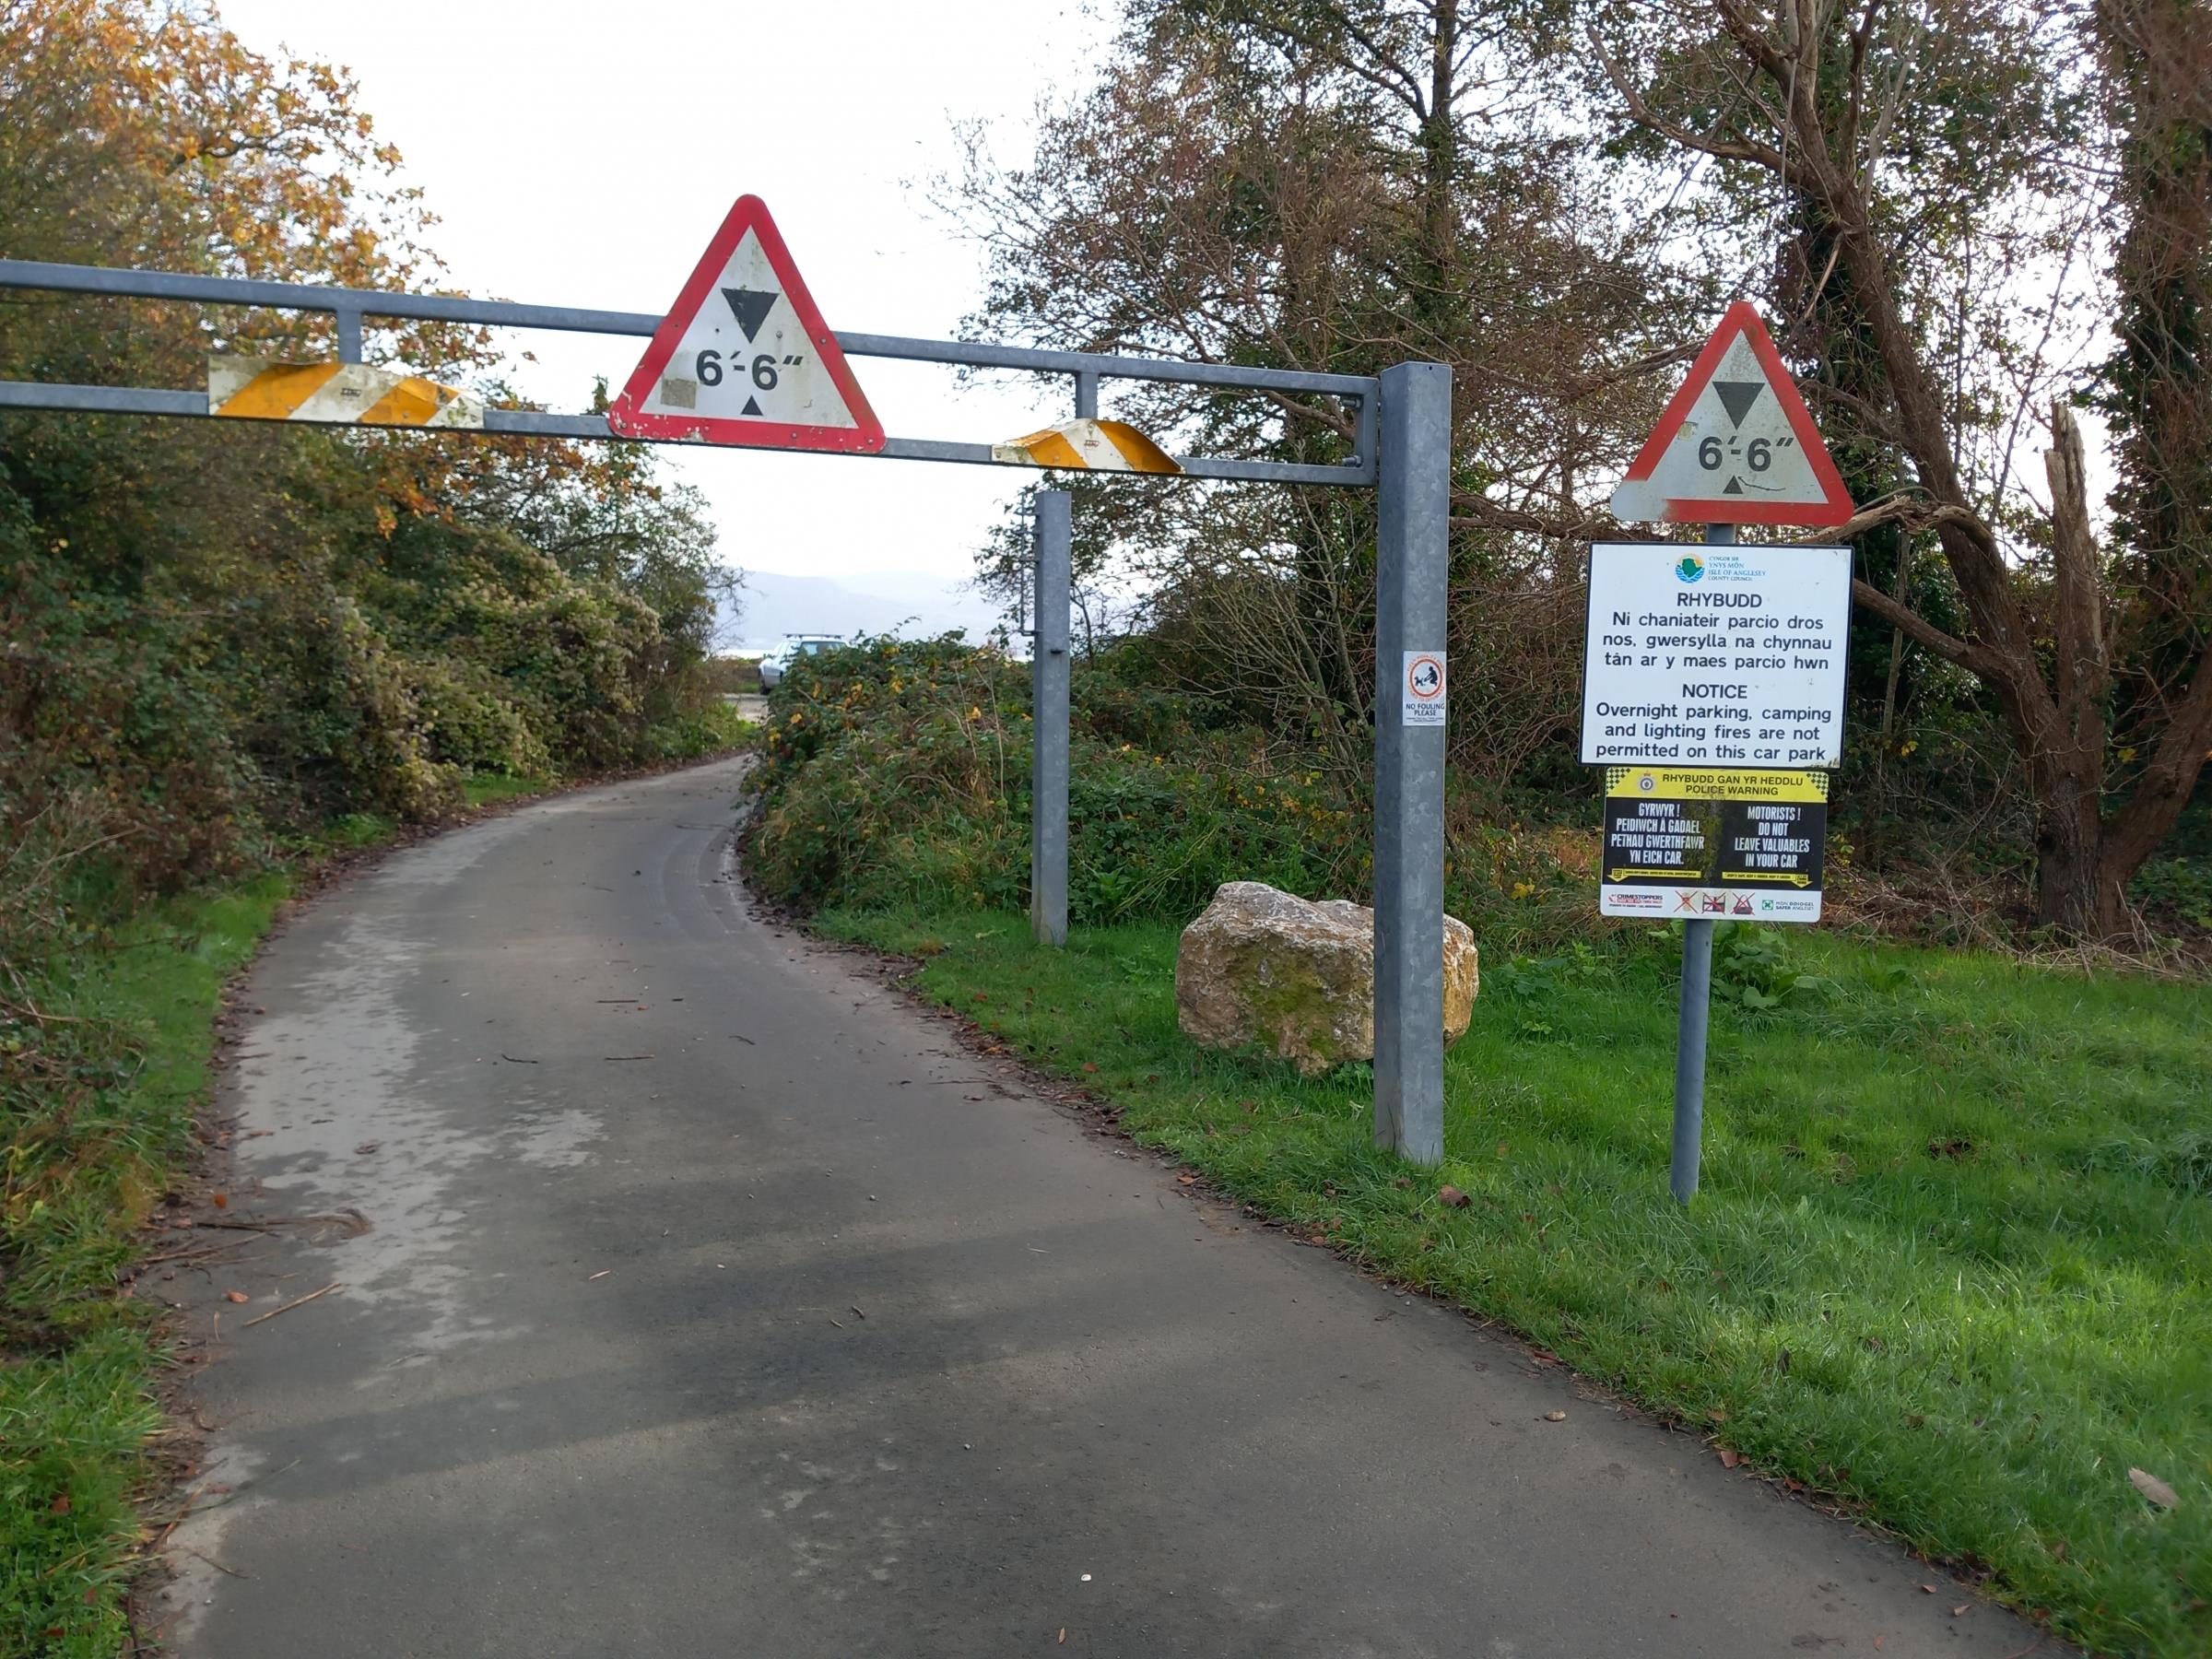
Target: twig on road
{"type": "Point", "coordinates": [211, 1561]}
{"type": "Point", "coordinates": [290, 1305]}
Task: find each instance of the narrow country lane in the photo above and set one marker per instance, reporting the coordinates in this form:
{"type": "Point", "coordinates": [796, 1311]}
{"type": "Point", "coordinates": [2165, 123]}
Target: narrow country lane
{"type": "Point", "coordinates": [711, 1300]}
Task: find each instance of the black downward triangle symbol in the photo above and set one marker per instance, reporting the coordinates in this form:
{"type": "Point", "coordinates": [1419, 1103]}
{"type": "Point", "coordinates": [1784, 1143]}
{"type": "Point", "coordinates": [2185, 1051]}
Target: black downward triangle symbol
{"type": "Point", "coordinates": [1735, 486]}
{"type": "Point", "coordinates": [752, 406]}
{"type": "Point", "coordinates": [1736, 396]}
{"type": "Point", "coordinates": [751, 307]}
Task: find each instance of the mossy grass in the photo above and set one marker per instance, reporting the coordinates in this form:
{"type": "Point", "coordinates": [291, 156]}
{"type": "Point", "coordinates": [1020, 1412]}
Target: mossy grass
{"type": "Point", "coordinates": [1952, 1264]}
{"type": "Point", "coordinates": [77, 1409]}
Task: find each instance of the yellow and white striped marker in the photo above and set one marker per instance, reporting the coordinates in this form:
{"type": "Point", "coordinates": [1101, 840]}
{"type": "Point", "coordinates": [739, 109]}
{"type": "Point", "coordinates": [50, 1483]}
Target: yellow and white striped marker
{"type": "Point", "coordinates": [334, 394]}
{"type": "Point", "coordinates": [1095, 445]}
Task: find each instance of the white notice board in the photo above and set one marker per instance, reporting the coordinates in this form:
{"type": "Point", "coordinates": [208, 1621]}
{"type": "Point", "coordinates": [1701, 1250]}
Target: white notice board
{"type": "Point", "coordinates": [1722, 656]}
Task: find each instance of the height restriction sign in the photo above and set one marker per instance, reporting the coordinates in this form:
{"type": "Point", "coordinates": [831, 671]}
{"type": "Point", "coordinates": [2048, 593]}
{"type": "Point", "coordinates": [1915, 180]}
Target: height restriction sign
{"type": "Point", "coordinates": [1736, 445]}
{"type": "Point", "coordinates": [743, 356]}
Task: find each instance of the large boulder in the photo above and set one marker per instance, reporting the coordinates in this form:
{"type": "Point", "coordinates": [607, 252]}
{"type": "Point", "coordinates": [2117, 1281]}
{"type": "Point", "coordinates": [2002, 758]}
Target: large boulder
{"type": "Point", "coordinates": [1263, 967]}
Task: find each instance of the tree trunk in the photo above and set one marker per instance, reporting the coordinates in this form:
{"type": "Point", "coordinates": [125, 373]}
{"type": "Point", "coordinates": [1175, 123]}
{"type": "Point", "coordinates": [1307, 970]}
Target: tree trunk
{"type": "Point", "coordinates": [2076, 890]}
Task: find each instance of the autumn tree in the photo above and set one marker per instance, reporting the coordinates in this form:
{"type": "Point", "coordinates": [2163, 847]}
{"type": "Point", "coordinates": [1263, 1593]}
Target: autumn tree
{"type": "Point", "coordinates": [212, 626]}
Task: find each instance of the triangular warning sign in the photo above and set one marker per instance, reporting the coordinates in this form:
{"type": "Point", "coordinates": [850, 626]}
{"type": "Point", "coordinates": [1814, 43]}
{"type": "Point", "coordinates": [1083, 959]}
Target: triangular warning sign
{"type": "Point", "coordinates": [743, 357]}
{"type": "Point", "coordinates": [1736, 445]}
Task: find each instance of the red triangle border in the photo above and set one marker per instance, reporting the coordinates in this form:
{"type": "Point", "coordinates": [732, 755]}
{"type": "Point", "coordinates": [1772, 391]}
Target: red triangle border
{"type": "Point", "coordinates": [1742, 318]}
{"type": "Point", "coordinates": [626, 416]}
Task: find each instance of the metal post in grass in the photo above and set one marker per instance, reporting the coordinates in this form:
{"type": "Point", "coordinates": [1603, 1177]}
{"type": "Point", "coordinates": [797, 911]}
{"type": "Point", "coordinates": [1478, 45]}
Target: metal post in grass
{"type": "Point", "coordinates": [1412, 548]}
{"type": "Point", "coordinates": [1690, 1028]}
{"type": "Point", "coordinates": [1048, 721]}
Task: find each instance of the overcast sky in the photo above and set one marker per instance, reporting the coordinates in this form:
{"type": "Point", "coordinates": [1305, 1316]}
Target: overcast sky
{"type": "Point", "coordinates": [582, 154]}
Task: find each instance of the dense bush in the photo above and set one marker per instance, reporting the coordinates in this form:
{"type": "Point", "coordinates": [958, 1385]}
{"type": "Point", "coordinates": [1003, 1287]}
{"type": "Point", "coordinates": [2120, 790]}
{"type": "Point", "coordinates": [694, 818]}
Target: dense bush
{"type": "Point", "coordinates": [899, 772]}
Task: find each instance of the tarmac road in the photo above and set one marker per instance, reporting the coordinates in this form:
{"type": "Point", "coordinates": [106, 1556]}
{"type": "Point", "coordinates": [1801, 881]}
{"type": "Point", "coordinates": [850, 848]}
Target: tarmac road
{"type": "Point", "coordinates": [712, 1300]}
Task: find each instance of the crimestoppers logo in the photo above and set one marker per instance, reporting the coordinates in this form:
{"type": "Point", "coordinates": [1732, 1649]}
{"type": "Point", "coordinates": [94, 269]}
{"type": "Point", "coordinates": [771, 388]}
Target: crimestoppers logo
{"type": "Point", "coordinates": [1689, 568]}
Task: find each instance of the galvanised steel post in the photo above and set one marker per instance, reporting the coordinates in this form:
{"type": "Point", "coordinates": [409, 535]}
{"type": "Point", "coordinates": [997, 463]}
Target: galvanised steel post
{"type": "Point", "coordinates": [1690, 1026]}
{"type": "Point", "coordinates": [1412, 559]}
{"type": "Point", "coordinates": [1048, 721]}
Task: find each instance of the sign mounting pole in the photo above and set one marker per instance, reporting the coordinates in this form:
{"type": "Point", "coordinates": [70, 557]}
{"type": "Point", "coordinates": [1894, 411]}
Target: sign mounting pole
{"type": "Point", "coordinates": [1412, 570]}
{"type": "Point", "coordinates": [1691, 1022]}
{"type": "Point", "coordinates": [1053, 551]}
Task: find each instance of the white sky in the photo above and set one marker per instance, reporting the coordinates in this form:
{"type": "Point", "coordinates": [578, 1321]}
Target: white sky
{"type": "Point", "coordinates": [582, 153]}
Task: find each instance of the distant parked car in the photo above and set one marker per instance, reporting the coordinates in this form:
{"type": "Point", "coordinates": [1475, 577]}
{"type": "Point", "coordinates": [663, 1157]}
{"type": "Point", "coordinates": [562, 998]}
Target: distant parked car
{"type": "Point", "coordinates": [793, 646]}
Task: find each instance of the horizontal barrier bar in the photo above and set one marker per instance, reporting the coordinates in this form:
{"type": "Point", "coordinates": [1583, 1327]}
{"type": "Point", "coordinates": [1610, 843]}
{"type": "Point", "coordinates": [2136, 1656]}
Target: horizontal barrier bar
{"type": "Point", "coordinates": [100, 400]}
{"type": "Point", "coordinates": [147, 400]}
{"type": "Point", "coordinates": [301, 296]}
{"type": "Point", "coordinates": [504, 314]}
{"type": "Point", "coordinates": [975, 354]}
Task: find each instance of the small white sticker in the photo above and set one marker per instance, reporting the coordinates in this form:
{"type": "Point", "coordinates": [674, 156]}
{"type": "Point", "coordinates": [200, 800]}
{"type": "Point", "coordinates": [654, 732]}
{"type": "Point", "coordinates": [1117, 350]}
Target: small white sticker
{"type": "Point", "coordinates": [1424, 688]}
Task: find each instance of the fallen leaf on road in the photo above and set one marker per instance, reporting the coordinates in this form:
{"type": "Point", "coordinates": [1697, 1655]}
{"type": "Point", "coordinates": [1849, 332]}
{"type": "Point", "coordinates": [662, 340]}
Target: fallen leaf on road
{"type": "Point", "coordinates": [1064, 1634]}
{"type": "Point", "coordinates": [1927, 1589]}
{"type": "Point", "coordinates": [366, 1148]}
{"type": "Point", "coordinates": [222, 1200]}
{"type": "Point", "coordinates": [1186, 1181]}
{"type": "Point", "coordinates": [1555, 1417]}
{"type": "Point", "coordinates": [2152, 1488]}
{"type": "Point", "coordinates": [1960, 1610]}
{"type": "Point", "coordinates": [600, 1275]}
{"type": "Point", "coordinates": [236, 1295]}
{"type": "Point", "coordinates": [1453, 1197]}
{"type": "Point", "coordinates": [1730, 1458]}
{"type": "Point", "coordinates": [1877, 1643]}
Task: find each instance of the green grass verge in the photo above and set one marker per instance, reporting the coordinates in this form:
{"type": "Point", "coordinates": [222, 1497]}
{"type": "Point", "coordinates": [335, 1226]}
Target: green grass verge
{"type": "Point", "coordinates": [488, 789]}
{"type": "Point", "coordinates": [77, 1404]}
{"type": "Point", "coordinates": [1953, 1260]}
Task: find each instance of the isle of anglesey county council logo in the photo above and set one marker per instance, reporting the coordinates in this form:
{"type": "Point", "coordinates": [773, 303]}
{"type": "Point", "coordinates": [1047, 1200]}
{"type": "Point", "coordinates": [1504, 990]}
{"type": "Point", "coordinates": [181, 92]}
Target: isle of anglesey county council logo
{"type": "Point", "coordinates": [1690, 568]}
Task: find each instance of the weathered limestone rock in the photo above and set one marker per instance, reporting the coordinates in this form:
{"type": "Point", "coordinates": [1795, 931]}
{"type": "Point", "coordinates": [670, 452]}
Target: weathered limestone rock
{"type": "Point", "coordinates": [1297, 977]}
